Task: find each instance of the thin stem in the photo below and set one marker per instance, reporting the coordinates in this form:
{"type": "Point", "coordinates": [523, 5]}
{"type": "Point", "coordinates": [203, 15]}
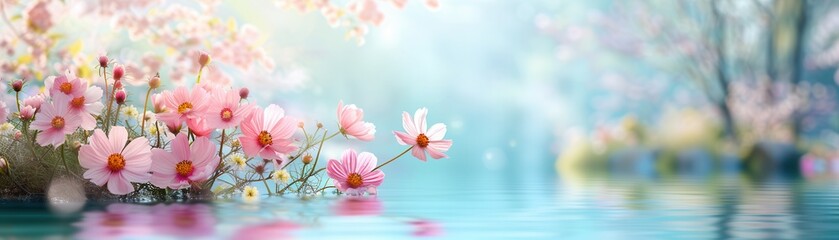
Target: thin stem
{"type": "Point", "coordinates": [265, 181]}
{"type": "Point", "coordinates": [116, 114]}
{"type": "Point", "coordinates": [200, 70]}
{"type": "Point", "coordinates": [317, 156]}
{"type": "Point", "coordinates": [221, 145]}
{"type": "Point", "coordinates": [143, 122]}
{"type": "Point", "coordinates": [17, 100]}
{"type": "Point", "coordinates": [324, 188]}
{"type": "Point", "coordinates": [157, 127]}
{"type": "Point", "coordinates": [394, 158]}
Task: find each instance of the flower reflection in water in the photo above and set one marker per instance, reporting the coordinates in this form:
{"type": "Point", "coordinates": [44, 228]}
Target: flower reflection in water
{"type": "Point", "coordinates": [425, 228]}
{"type": "Point", "coordinates": [121, 220]}
{"type": "Point", "coordinates": [358, 206]}
{"type": "Point", "coordinates": [274, 230]}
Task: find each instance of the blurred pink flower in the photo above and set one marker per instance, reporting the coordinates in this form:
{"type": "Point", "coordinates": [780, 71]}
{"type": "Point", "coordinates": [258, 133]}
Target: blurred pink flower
{"type": "Point", "coordinates": [183, 104]}
{"type": "Point", "coordinates": [350, 119]}
{"type": "Point", "coordinates": [358, 206]}
{"type": "Point", "coordinates": [38, 17]}
{"type": "Point", "coordinates": [432, 4]}
{"type": "Point", "coordinates": [369, 12]}
{"type": "Point", "coordinates": [55, 121]}
{"type": "Point", "coordinates": [109, 160]}
{"type": "Point", "coordinates": [199, 127]}
{"type": "Point", "coordinates": [423, 139]}
{"type": "Point", "coordinates": [185, 164]}
{"type": "Point", "coordinates": [268, 133]}
{"type": "Point", "coordinates": [159, 102]}
{"type": "Point", "coordinates": [87, 106]}
{"type": "Point", "coordinates": [354, 174]}
{"type": "Point", "coordinates": [225, 111]}
{"type": "Point", "coordinates": [65, 84]}
{"type": "Point", "coordinates": [4, 112]}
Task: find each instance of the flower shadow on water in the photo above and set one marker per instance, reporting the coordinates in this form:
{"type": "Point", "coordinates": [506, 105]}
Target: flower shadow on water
{"type": "Point", "coordinates": [120, 220]}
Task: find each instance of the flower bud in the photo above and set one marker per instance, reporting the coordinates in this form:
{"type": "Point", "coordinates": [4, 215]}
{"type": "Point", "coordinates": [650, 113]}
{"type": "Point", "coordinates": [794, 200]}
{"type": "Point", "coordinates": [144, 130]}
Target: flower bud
{"type": "Point", "coordinates": [118, 84]}
{"type": "Point", "coordinates": [18, 135]}
{"type": "Point", "coordinates": [27, 112]}
{"type": "Point", "coordinates": [301, 124]}
{"type": "Point", "coordinates": [2, 163]}
{"type": "Point", "coordinates": [259, 169]}
{"type": "Point", "coordinates": [307, 159]}
{"type": "Point", "coordinates": [120, 96]}
{"type": "Point", "coordinates": [119, 71]}
{"type": "Point", "coordinates": [103, 61]}
{"type": "Point", "coordinates": [320, 125]}
{"type": "Point", "coordinates": [235, 143]}
{"type": "Point", "coordinates": [17, 85]}
{"type": "Point", "coordinates": [244, 92]}
{"type": "Point", "coordinates": [154, 82]}
{"type": "Point", "coordinates": [203, 59]}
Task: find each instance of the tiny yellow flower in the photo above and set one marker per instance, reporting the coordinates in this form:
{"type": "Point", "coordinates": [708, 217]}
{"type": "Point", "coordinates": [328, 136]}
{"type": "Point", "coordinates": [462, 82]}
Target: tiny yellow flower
{"type": "Point", "coordinates": [250, 194]}
{"type": "Point", "coordinates": [7, 128]}
{"type": "Point", "coordinates": [281, 176]}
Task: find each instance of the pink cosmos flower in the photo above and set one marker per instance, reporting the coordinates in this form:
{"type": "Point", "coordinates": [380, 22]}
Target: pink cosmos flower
{"type": "Point", "coordinates": [86, 106]}
{"type": "Point", "coordinates": [183, 105]}
{"type": "Point", "coordinates": [109, 160]}
{"type": "Point", "coordinates": [159, 102]}
{"type": "Point", "coordinates": [199, 127]}
{"type": "Point", "coordinates": [225, 111]}
{"type": "Point", "coordinates": [423, 139]}
{"type": "Point", "coordinates": [354, 173]}
{"type": "Point", "coordinates": [34, 101]}
{"type": "Point", "coordinates": [350, 120]}
{"type": "Point", "coordinates": [27, 112]}
{"type": "Point", "coordinates": [55, 122]}
{"type": "Point", "coordinates": [185, 164]}
{"type": "Point", "coordinates": [268, 133]}
{"type": "Point", "coordinates": [65, 84]}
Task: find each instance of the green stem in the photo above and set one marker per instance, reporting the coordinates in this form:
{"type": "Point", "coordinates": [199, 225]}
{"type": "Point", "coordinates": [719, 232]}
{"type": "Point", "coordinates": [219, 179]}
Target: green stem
{"type": "Point", "coordinates": [200, 70]}
{"type": "Point", "coordinates": [394, 158]}
{"type": "Point", "coordinates": [145, 103]}
{"type": "Point", "coordinates": [17, 100]}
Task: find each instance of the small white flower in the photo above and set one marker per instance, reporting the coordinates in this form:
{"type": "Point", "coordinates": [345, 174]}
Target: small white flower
{"type": "Point", "coordinates": [7, 128]}
{"type": "Point", "coordinates": [130, 111]}
{"type": "Point", "coordinates": [250, 194]}
{"type": "Point", "coordinates": [281, 176]}
{"type": "Point", "coordinates": [238, 160]}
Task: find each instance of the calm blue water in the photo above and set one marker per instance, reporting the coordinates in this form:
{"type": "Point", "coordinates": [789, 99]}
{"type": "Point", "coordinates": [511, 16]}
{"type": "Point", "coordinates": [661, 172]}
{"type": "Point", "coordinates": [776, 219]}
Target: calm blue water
{"type": "Point", "coordinates": [732, 206]}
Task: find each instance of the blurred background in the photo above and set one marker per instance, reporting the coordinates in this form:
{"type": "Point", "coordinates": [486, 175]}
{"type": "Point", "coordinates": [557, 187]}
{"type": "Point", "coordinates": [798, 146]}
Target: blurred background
{"type": "Point", "coordinates": [627, 109]}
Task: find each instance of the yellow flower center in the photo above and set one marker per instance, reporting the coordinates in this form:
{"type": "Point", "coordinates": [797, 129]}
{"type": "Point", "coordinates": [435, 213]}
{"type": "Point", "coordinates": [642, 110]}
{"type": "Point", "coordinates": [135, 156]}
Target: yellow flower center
{"type": "Point", "coordinates": [226, 114]}
{"type": "Point", "coordinates": [265, 138]}
{"type": "Point", "coordinates": [422, 140]}
{"type": "Point", "coordinates": [184, 168]}
{"type": "Point", "coordinates": [116, 162]}
{"type": "Point", "coordinates": [354, 180]}
{"type": "Point", "coordinates": [77, 102]}
{"type": "Point", "coordinates": [184, 107]}
{"type": "Point", "coordinates": [58, 122]}
{"type": "Point", "coordinates": [66, 87]}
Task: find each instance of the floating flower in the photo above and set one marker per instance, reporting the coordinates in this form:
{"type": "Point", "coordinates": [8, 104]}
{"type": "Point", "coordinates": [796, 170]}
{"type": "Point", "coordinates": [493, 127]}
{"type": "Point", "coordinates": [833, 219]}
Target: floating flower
{"type": "Point", "coordinates": [185, 164]}
{"type": "Point", "coordinates": [108, 160]}
{"type": "Point", "coordinates": [86, 106]}
{"type": "Point", "coordinates": [350, 119]}
{"type": "Point", "coordinates": [250, 194]}
{"type": "Point", "coordinates": [225, 111]}
{"type": "Point", "coordinates": [55, 122]}
{"type": "Point", "coordinates": [281, 176]}
{"type": "Point", "coordinates": [183, 104]}
{"type": "Point", "coordinates": [354, 174]}
{"type": "Point", "coordinates": [65, 84]}
{"type": "Point", "coordinates": [423, 139]}
{"type": "Point", "coordinates": [268, 133]}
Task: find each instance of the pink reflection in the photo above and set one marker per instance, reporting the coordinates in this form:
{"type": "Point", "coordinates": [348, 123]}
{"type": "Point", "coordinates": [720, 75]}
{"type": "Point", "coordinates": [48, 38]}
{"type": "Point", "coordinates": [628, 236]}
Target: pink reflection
{"type": "Point", "coordinates": [426, 228]}
{"type": "Point", "coordinates": [275, 230]}
{"type": "Point", "coordinates": [118, 220]}
{"type": "Point", "coordinates": [358, 206]}
{"type": "Point", "coordinates": [124, 220]}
